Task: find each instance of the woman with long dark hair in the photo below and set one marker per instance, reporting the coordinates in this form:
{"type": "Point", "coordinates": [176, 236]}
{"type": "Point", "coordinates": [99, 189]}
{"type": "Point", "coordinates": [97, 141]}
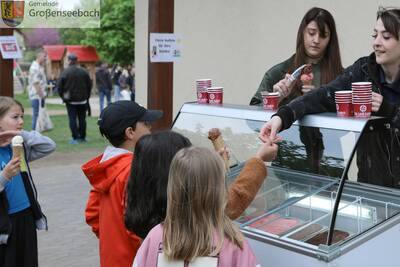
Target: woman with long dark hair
{"type": "Point", "coordinates": [317, 44]}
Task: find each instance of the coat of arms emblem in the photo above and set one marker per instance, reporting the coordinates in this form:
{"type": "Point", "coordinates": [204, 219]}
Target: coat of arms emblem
{"type": "Point", "coordinates": [12, 12]}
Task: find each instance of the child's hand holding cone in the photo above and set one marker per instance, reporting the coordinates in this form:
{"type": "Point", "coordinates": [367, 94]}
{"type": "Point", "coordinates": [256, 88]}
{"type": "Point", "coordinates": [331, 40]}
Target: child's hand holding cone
{"type": "Point", "coordinates": [12, 168]}
{"type": "Point", "coordinates": [219, 145]}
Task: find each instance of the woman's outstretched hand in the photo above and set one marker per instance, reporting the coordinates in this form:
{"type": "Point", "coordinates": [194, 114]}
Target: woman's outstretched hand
{"type": "Point", "coordinates": [268, 132]}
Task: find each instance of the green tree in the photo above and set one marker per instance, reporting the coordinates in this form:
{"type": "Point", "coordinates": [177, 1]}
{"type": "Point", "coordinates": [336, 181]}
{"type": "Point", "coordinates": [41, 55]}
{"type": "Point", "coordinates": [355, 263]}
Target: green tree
{"type": "Point", "coordinates": [115, 40]}
{"type": "Point", "coordinates": [72, 36]}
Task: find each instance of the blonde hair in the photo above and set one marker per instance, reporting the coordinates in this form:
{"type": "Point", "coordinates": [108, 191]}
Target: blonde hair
{"type": "Point", "coordinates": [196, 204]}
{"type": "Point", "coordinates": [6, 103]}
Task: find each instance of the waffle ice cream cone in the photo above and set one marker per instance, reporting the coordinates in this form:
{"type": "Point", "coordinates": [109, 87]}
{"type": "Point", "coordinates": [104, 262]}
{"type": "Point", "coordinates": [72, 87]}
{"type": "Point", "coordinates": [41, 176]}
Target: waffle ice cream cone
{"type": "Point", "coordinates": [17, 145]}
{"type": "Point", "coordinates": [17, 151]}
{"type": "Point", "coordinates": [218, 142]}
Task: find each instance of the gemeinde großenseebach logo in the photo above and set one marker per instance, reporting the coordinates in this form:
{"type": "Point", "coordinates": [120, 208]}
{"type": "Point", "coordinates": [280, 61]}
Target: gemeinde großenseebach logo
{"type": "Point", "coordinates": [12, 12]}
{"type": "Point", "coordinates": [50, 14]}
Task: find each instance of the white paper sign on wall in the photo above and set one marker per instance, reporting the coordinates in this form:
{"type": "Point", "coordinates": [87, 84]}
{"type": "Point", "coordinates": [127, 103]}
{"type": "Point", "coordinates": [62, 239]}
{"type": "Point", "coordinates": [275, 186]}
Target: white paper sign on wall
{"type": "Point", "coordinates": [165, 47]}
{"type": "Point", "coordinates": [9, 47]}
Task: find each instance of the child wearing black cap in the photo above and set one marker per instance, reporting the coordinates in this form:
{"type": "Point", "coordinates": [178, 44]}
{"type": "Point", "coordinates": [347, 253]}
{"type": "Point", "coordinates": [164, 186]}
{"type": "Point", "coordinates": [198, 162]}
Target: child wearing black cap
{"type": "Point", "coordinates": [122, 123]}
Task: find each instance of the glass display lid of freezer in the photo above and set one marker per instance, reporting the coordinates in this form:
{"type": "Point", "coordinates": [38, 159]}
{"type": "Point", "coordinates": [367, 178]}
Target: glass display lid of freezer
{"type": "Point", "coordinates": [319, 144]}
{"type": "Point", "coordinates": [306, 152]}
{"type": "Point", "coordinates": [294, 207]}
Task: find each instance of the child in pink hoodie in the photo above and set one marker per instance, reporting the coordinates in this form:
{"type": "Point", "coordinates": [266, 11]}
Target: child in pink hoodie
{"type": "Point", "coordinates": [196, 230]}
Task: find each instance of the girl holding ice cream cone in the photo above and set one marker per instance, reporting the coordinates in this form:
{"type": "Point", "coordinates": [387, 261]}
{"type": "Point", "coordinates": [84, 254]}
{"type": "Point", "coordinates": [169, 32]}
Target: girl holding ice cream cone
{"type": "Point", "coordinates": [20, 213]}
{"type": "Point", "coordinates": [317, 45]}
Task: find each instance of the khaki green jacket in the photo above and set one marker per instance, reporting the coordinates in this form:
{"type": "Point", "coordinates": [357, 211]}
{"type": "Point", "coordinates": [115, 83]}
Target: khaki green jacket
{"type": "Point", "coordinates": [277, 73]}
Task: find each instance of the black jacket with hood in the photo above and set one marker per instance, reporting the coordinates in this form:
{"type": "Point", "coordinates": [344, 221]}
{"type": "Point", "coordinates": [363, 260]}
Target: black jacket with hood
{"type": "Point", "coordinates": [379, 159]}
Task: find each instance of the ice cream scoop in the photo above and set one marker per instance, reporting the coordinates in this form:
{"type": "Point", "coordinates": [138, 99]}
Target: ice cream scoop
{"type": "Point", "coordinates": [307, 75]}
{"type": "Point", "coordinates": [17, 140]}
{"type": "Point", "coordinates": [17, 145]}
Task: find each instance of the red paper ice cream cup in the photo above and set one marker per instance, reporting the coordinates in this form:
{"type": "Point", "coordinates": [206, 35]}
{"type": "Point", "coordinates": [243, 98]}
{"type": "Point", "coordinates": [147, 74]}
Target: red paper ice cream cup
{"type": "Point", "coordinates": [270, 100]}
{"type": "Point", "coordinates": [362, 110]}
{"type": "Point", "coordinates": [344, 109]}
{"type": "Point", "coordinates": [202, 96]}
{"type": "Point", "coordinates": [215, 95]}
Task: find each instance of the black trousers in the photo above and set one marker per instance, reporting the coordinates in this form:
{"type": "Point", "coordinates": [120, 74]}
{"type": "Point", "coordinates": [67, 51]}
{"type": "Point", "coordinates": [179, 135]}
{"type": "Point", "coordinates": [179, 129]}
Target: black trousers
{"type": "Point", "coordinates": [21, 249]}
{"type": "Point", "coordinates": [77, 120]}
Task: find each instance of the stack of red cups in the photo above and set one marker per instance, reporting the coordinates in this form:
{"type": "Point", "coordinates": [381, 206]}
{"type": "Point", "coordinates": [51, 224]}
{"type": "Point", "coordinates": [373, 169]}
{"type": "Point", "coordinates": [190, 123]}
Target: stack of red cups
{"type": "Point", "coordinates": [344, 106]}
{"type": "Point", "coordinates": [362, 99]}
{"type": "Point", "coordinates": [201, 87]}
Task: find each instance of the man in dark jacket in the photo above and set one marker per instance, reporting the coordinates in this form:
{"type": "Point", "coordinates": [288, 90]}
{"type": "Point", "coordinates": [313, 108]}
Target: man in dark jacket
{"type": "Point", "coordinates": [74, 87]}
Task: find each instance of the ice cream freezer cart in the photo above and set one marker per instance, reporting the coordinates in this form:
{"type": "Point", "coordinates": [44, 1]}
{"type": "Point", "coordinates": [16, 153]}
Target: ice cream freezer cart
{"type": "Point", "coordinates": [313, 189]}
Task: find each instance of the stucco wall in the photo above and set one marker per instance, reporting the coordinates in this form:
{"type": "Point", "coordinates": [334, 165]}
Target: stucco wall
{"type": "Point", "coordinates": [234, 42]}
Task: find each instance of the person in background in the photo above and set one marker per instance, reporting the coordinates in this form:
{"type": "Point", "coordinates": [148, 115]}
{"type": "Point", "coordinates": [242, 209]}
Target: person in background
{"type": "Point", "coordinates": [103, 83]}
{"type": "Point", "coordinates": [132, 81]}
{"type": "Point", "coordinates": [124, 83]}
{"type": "Point", "coordinates": [52, 84]}
{"type": "Point", "coordinates": [196, 228]}
{"type": "Point", "coordinates": [115, 73]}
{"type": "Point", "coordinates": [20, 212]}
{"type": "Point", "coordinates": [122, 123]}
{"type": "Point", "coordinates": [37, 85]}
{"type": "Point", "coordinates": [147, 187]}
{"type": "Point", "coordinates": [74, 86]}
{"type": "Point", "coordinates": [382, 68]}
{"type": "Point", "coordinates": [317, 44]}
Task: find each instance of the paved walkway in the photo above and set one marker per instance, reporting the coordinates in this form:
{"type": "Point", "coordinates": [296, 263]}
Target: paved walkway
{"type": "Point", "coordinates": [63, 191]}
